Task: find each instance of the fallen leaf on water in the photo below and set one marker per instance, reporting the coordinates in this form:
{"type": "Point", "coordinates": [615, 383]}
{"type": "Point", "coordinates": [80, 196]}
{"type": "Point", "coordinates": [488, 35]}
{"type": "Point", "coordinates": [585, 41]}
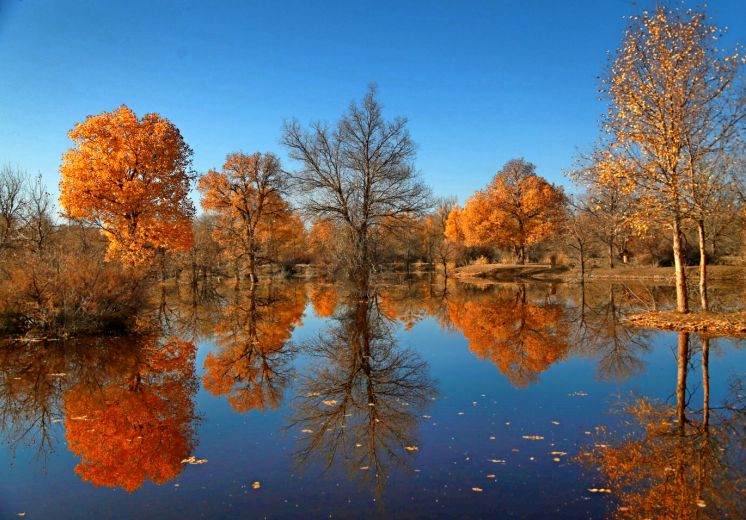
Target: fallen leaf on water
{"type": "Point", "coordinates": [599, 490]}
{"type": "Point", "coordinates": [555, 422]}
{"type": "Point", "coordinates": [427, 416]}
{"type": "Point", "coordinates": [533, 437]}
{"type": "Point", "coordinates": [556, 459]}
{"type": "Point", "coordinates": [461, 413]}
{"type": "Point", "coordinates": [491, 475]}
{"type": "Point", "coordinates": [371, 404]}
{"type": "Point", "coordinates": [358, 445]}
{"type": "Point", "coordinates": [478, 490]}
{"type": "Point", "coordinates": [193, 460]}
{"type": "Point", "coordinates": [411, 448]}
{"type": "Point", "coordinates": [497, 461]}
{"type": "Point", "coordinates": [492, 437]}
{"type": "Point", "coordinates": [255, 485]}
{"type": "Point", "coordinates": [80, 418]}
{"type": "Point", "coordinates": [306, 430]}
{"type": "Point", "coordinates": [701, 503]}
{"type": "Point", "coordinates": [578, 394]}
{"type": "Point", "coordinates": [313, 394]}
{"type": "Point", "coordinates": [560, 453]}
{"type": "Point", "coordinates": [56, 420]}
{"type": "Point", "coordinates": [330, 402]}
{"type": "Point", "coordinates": [601, 445]}
{"type": "Point", "coordinates": [363, 467]}
{"type": "Point", "coordinates": [587, 433]}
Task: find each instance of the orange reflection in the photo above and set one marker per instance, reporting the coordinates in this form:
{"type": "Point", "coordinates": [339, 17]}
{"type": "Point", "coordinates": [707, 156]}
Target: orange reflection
{"type": "Point", "coordinates": [324, 299]}
{"type": "Point", "coordinates": [521, 336]}
{"type": "Point", "coordinates": [137, 425]}
{"type": "Point", "coordinates": [252, 363]}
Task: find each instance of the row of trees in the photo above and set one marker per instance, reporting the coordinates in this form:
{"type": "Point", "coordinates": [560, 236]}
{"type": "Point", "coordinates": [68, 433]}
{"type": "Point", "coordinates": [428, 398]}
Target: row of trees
{"type": "Point", "coordinates": [670, 161]}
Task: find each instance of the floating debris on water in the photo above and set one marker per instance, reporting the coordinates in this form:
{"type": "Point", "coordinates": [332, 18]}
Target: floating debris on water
{"type": "Point", "coordinates": [256, 485]}
{"type": "Point", "coordinates": [330, 402]}
{"type": "Point", "coordinates": [533, 437]}
{"type": "Point", "coordinates": [578, 394]}
{"type": "Point", "coordinates": [193, 460]}
{"type": "Point", "coordinates": [599, 490]}
{"type": "Point", "coordinates": [411, 448]}
{"type": "Point", "coordinates": [477, 489]}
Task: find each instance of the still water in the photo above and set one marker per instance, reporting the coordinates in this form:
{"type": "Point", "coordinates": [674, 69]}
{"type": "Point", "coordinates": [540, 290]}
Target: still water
{"type": "Point", "coordinates": [304, 400]}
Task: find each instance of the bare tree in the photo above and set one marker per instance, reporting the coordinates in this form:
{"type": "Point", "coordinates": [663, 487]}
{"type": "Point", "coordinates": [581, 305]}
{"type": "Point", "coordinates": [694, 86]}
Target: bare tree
{"type": "Point", "coordinates": [12, 203]}
{"type": "Point", "coordinates": [359, 174]}
{"type": "Point", "coordinates": [39, 222]}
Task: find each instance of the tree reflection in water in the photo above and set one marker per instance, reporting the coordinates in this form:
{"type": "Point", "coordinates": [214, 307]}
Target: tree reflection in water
{"type": "Point", "coordinates": [137, 422]}
{"type": "Point", "coordinates": [675, 462]}
{"type": "Point", "coordinates": [599, 330]}
{"type": "Point", "coordinates": [521, 335]}
{"type": "Point", "coordinates": [252, 364]}
{"type": "Point", "coordinates": [359, 404]}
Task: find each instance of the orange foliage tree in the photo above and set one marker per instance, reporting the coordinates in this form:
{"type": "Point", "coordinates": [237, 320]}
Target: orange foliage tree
{"type": "Point", "coordinates": [521, 337]}
{"type": "Point", "coordinates": [130, 178]}
{"type": "Point", "coordinates": [675, 108]}
{"type": "Point", "coordinates": [322, 239]}
{"type": "Point", "coordinates": [247, 197]}
{"type": "Point", "coordinates": [517, 209]}
{"type": "Point", "coordinates": [251, 364]}
{"type": "Point", "coordinates": [138, 425]}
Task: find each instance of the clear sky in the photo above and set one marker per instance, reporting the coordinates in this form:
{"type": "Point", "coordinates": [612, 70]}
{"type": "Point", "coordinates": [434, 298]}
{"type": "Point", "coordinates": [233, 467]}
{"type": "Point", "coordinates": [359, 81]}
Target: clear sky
{"type": "Point", "coordinates": [480, 82]}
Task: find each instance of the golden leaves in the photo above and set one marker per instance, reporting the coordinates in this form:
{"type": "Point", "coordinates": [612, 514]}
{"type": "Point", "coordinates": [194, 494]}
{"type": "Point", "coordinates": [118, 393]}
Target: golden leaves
{"type": "Point", "coordinates": [518, 208]}
{"type": "Point", "coordinates": [131, 178]}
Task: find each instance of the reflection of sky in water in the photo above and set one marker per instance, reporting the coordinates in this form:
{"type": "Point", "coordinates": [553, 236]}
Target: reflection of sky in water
{"type": "Point", "coordinates": [477, 418]}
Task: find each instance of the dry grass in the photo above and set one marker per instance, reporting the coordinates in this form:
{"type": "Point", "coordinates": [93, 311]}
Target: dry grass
{"type": "Point", "coordinates": [715, 273]}
{"type": "Point", "coordinates": [710, 323]}
{"type": "Point", "coordinates": [512, 272]}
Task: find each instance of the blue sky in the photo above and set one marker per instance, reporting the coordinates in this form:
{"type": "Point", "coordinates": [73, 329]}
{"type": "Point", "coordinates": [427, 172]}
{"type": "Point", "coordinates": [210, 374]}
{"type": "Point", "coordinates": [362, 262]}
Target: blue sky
{"type": "Point", "coordinates": [480, 82]}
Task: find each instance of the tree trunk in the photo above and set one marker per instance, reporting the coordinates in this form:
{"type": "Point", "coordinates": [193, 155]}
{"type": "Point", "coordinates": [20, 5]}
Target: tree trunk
{"type": "Point", "coordinates": [582, 264]}
{"type": "Point", "coordinates": [703, 302]}
{"type": "Point", "coordinates": [611, 254]}
{"type": "Point", "coordinates": [252, 268]}
{"type": "Point", "coordinates": [522, 254]}
{"type": "Point", "coordinates": [683, 358]}
{"type": "Point", "coordinates": [682, 300]}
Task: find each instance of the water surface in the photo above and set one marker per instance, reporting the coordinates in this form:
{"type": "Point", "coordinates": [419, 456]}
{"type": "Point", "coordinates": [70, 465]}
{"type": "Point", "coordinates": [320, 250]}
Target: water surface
{"type": "Point", "coordinates": [298, 400]}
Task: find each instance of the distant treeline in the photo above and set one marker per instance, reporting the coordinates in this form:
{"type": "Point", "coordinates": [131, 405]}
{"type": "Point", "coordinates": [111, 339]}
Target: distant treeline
{"type": "Point", "coordinates": [664, 186]}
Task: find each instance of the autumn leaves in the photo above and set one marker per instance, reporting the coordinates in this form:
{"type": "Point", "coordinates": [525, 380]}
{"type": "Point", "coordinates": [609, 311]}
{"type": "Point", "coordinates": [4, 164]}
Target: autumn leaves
{"type": "Point", "coordinates": [130, 177]}
{"type": "Point", "coordinates": [517, 209]}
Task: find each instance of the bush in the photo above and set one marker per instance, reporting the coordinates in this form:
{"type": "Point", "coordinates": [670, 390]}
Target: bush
{"type": "Point", "coordinates": [69, 289]}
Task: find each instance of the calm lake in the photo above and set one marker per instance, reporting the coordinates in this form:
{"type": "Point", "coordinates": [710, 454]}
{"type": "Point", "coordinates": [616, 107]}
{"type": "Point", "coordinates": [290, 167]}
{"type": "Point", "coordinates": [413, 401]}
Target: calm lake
{"type": "Point", "coordinates": [302, 400]}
